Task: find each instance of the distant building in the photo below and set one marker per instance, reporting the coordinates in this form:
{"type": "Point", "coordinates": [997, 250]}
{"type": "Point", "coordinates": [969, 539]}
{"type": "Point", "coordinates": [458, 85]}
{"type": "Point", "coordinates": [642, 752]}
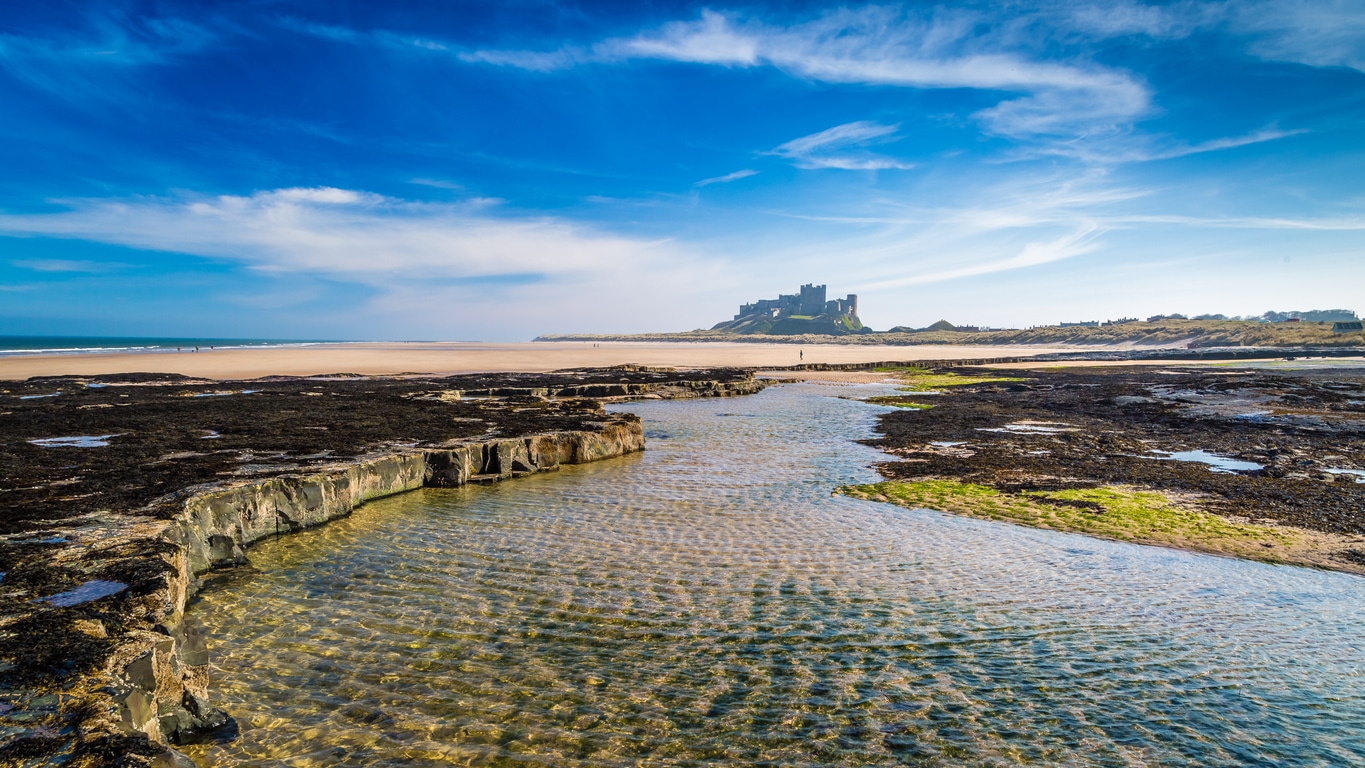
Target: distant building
{"type": "Point", "coordinates": [1085, 324]}
{"type": "Point", "coordinates": [807, 311]}
{"type": "Point", "coordinates": [1121, 321]}
{"type": "Point", "coordinates": [810, 302]}
{"type": "Point", "coordinates": [1349, 326]}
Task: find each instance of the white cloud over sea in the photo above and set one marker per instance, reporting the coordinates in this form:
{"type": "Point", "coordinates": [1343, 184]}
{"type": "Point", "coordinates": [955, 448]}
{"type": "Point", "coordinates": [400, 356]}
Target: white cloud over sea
{"type": "Point", "coordinates": [347, 233]}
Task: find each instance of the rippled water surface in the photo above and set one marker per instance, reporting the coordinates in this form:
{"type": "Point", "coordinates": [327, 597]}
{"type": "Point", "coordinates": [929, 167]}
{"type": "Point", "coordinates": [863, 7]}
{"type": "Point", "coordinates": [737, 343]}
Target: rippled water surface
{"type": "Point", "coordinates": [709, 602]}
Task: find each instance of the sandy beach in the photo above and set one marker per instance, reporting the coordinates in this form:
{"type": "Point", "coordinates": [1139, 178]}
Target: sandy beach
{"type": "Point", "coordinates": [476, 357]}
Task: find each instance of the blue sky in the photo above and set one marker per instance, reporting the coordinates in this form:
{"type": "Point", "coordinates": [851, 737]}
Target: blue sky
{"type": "Point", "coordinates": [444, 170]}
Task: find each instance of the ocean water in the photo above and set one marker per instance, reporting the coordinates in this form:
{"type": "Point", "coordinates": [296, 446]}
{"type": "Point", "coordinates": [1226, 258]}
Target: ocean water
{"type": "Point", "coordinates": [48, 345]}
{"type": "Point", "coordinates": [710, 603]}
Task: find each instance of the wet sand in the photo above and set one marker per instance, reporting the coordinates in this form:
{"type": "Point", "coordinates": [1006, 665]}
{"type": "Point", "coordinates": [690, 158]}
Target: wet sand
{"type": "Point", "coordinates": [383, 358]}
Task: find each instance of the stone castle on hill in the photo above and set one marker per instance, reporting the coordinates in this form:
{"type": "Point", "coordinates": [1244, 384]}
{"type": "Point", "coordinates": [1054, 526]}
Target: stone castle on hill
{"type": "Point", "coordinates": [809, 302]}
{"type": "Point", "coordinates": [798, 313]}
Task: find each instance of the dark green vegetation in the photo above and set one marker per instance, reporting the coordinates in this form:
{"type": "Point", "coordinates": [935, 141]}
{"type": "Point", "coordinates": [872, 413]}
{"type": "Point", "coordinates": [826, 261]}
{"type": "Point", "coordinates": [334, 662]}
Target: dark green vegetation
{"type": "Point", "coordinates": [1020, 444]}
{"type": "Point", "coordinates": [916, 379]}
{"type": "Point", "coordinates": [899, 401]}
{"type": "Point", "coordinates": [792, 325]}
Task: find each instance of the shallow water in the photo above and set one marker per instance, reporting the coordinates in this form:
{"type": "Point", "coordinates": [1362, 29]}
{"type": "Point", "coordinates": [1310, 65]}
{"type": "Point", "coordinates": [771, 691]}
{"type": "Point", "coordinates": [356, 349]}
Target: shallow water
{"type": "Point", "coordinates": [75, 441]}
{"type": "Point", "coordinates": [709, 602]}
{"type": "Point", "coordinates": [1216, 463]}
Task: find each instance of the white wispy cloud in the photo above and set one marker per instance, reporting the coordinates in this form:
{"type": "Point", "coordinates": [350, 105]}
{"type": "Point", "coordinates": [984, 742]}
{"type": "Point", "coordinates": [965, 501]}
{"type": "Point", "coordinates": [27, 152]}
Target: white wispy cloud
{"type": "Point", "coordinates": [1320, 33]}
{"type": "Point", "coordinates": [345, 233]}
{"type": "Point", "coordinates": [879, 46]}
{"type": "Point", "coordinates": [437, 183]}
{"type": "Point", "coordinates": [536, 61]}
{"type": "Point", "coordinates": [872, 46]}
{"type": "Point", "coordinates": [840, 147]}
{"type": "Point", "coordinates": [1035, 253]}
{"type": "Point", "coordinates": [727, 178]}
{"type": "Point", "coordinates": [97, 63]}
{"type": "Point", "coordinates": [451, 269]}
{"type": "Point", "coordinates": [1127, 149]}
{"type": "Point", "coordinates": [839, 136]}
{"type": "Point", "coordinates": [1124, 17]}
{"type": "Point", "coordinates": [66, 265]}
{"type": "Point", "coordinates": [1055, 99]}
{"type": "Point", "coordinates": [1321, 224]}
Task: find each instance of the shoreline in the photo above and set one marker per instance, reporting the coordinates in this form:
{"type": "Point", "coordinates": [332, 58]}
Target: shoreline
{"type": "Point", "coordinates": [445, 358]}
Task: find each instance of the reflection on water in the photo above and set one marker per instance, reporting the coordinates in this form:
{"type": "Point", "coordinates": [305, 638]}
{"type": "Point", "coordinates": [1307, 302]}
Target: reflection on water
{"type": "Point", "coordinates": [709, 602]}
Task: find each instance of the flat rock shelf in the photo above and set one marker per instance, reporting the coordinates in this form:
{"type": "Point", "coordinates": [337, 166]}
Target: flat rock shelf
{"type": "Point", "coordinates": [1260, 462]}
{"type": "Point", "coordinates": [119, 493]}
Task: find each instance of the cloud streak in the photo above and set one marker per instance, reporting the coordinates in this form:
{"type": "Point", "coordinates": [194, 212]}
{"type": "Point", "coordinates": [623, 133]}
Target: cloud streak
{"type": "Point", "coordinates": [880, 47]}
{"type": "Point", "coordinates": [831, 148]}
{"type": "Point", "coordinates": [346, 234]}
{"type": "Point", "coordinates": [870, 46]}
{"type": "Point", "coordinates": [98, 64]}
{"type": "Point", "coordinates": [1081, 241]}
{"type": "Point", "coordinates": [727, 178]}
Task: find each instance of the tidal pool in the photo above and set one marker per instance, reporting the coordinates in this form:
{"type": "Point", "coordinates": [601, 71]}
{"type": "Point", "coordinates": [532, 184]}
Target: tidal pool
{"type": "Point", "coordinates": [709, 603]}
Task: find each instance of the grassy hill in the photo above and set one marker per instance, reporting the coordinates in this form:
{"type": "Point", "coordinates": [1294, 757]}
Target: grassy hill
{"type": "Point", "coordinates": [791, 325]}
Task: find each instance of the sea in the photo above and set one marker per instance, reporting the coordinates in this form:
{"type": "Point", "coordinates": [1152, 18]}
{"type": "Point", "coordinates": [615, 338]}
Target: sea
{"type": "Point", "coordinates": [11, 346]}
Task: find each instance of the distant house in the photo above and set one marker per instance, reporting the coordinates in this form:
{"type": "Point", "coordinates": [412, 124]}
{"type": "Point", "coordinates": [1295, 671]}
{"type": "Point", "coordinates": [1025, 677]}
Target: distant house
{"type": "Point", "coordinates": [1086, 324]}
{"type": "Point", "coordinates": [1355, 326]}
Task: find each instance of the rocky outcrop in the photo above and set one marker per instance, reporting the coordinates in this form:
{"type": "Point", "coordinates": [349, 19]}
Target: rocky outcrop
{"type": "Point", "coordinates": [681, 389]}
{"type": "Point", "coordinates": [154, 691]}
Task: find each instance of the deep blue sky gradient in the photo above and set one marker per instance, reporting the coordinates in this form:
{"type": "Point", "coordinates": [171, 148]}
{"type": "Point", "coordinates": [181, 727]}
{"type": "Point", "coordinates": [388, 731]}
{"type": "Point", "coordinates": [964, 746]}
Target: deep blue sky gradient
{"type": "Point", "coordinates": [461, 170]}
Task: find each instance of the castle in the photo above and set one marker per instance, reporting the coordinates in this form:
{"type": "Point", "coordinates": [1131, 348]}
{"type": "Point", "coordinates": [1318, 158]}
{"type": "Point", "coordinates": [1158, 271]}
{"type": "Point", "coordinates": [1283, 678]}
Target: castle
{"type": "Point", "coordinates": [810, 302]}
{"type": "Point", "coordinates": [798, 313]}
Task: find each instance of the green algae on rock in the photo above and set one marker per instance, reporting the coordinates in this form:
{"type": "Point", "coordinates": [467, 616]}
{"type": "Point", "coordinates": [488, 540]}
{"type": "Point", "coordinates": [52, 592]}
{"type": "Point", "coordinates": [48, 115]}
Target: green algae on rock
{"type": "Point", "coordinates": [926, 380]}
{"type": "Point", "coordinates": [1109, 512]}
{"type": "Point", "coordinates": [898, 401]}
{"type": "Point", "coordinates": [1081, 449]}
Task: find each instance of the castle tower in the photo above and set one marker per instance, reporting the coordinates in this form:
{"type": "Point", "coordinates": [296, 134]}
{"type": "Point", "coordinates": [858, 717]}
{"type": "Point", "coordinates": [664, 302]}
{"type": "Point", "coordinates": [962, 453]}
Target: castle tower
{"type": "Point", "coordinates": [812, 299]}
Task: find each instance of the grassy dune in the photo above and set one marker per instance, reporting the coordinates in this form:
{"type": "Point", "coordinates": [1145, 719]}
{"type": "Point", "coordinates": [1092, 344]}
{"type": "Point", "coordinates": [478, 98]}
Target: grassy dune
{"type": "Point", "coordinates": [1195, 333]}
